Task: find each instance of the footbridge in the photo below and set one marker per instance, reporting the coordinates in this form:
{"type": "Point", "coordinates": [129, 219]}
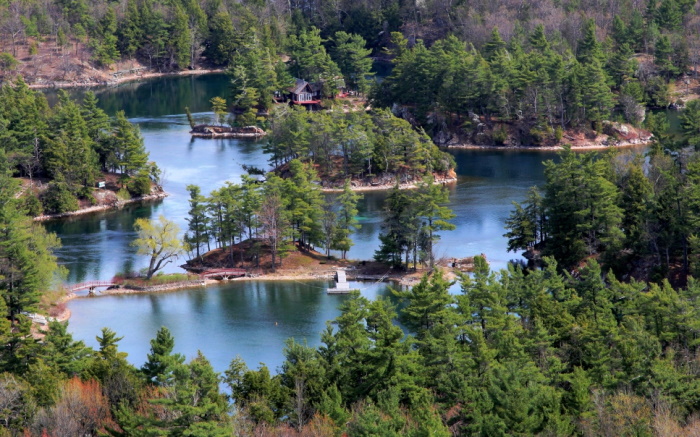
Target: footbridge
{"type": "Point", "coordinates": [223, 273]}
{"type": "Point", "coordinates": [90, 286]}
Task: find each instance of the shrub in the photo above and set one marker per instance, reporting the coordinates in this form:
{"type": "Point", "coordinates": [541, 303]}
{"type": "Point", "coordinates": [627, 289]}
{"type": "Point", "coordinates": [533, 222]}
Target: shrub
{"type": "Point", "coordinates": [139, 185]}
{"type": "Point", "coordinates": [32, 205]}
{"type": "Point", "coordinates": [123, 194]}
{"type": "Point", "coordinates": [500, 135]}
{"type": "Point", "coordinates": [59, 199]}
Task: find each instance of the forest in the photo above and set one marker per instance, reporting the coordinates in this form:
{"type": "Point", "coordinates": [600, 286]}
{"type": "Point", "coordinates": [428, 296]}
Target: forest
{"type": "Point", "coordinates": [637, 214]}
{"type": "Point", "coordinates": [272, 216]}
{"type": "Point", "coordinates": [493, 73]}
{"type": "Point", "coordinates": [61, 151]}
{"type": "Point", "coordinates": [277, 214]}
{"type": "Point", "coordinates": [598, 336]}
{"type": "Point", "coordinates": [354, 145]}
{"type": "Point", "coordinates": [514, 352]}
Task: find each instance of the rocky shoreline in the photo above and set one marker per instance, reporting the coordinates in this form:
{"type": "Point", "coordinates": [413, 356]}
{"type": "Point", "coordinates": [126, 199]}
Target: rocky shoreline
{"type": "Point", "coordinates": [99, 208]}
{"type": "Point", "coordinates": [387, 182]}
{"type": "Point", "coordinates": [209, 131]}
{"type": "Point", "coordinates": [121, 79]}
{"type": "Point", "coordinates": [619, 145]}
{"type": "Point", "coordinates": [281, 275]}
{"type": "Point", "coordinates": [385, 187]}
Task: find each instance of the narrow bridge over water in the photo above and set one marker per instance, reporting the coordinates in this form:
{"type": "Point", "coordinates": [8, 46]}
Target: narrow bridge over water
{"type": "Point", "coordinates": [90, 286]}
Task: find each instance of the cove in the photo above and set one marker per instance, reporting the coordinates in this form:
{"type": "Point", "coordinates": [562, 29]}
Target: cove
{"type": "Point", "coordinates": [251, 319]}
{"type": "Point", "coordinates": [238, 318]}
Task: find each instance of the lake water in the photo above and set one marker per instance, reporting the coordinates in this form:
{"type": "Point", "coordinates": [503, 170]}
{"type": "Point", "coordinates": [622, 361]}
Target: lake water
{"type": "Point", "coordinates": [251, 319]}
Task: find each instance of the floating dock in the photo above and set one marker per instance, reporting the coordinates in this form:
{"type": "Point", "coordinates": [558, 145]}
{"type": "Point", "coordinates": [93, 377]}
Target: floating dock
{"type": "Point", "coordinates": [341, 284]}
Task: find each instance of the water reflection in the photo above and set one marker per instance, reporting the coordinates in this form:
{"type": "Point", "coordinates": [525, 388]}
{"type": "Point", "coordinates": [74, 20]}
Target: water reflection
{"type": "Point", "coordinates": [252, 319]}
{"type": "Point", "coordinates": [158, 96]}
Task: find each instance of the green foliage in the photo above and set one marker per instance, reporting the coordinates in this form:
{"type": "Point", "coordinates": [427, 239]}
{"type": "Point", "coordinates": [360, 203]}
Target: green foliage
{"type": "Point", "coordinates": [218, 107]}
{"type": "Point", "coordinates": [160, 240]}
{"type": "Point", "coordinates": [347, 223]}
{"type": "Point", "coordinates": [159, 369]}
{"type": "Point", "coordinates": [310, 61]}
{"type": "Point", "coordinates": [197, 234]}
{"type": "Point", "coordinates": [690, 123]}
{"type": "Point", "coordinates": [410, 223]}
{"type": "Point", "coordinates": [140, 185]}
{"type": "Point", "coordinates": [580, 211]}
{"type": "Point", "coordinates": [353, 59]}
{"type": "Point", "coordinates": [8, 62]}
{"type": "Point", "coordinates": [59, 199]}
{"type": "Point", "coordinates": [354, 144]}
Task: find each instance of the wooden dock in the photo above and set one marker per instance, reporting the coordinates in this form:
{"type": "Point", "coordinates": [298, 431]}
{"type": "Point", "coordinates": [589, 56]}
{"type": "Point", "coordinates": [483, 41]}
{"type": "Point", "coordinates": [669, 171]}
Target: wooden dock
{"type": "Point", "coordinates": [341, 284]}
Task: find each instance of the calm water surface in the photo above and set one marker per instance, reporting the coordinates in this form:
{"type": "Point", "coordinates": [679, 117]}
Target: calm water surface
{"type": "Point", "coordinates": [240, 318]}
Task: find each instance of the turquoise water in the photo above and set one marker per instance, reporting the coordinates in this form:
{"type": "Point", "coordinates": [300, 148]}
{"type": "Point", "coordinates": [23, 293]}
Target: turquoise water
{"type": "Point", "coordinates": [240, 318]}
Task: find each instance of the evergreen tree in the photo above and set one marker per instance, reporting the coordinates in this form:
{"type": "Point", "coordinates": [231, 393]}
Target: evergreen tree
{"type": "Point", "coordinates": [311, 62]}
{"type": "Point", "coordinates": [353, 59]}
{"type": "Point", "coordinates": [399, 228]}
{"type": "Point", "coordinates": [347, 222]}
{"type": "Point", "coordinates": [196, 406]}
{"type": "Point", "coordinates": [432, 210]}
{"type": "Point", "coordinates": [27, 263]}
{"type": "Point", "coordinates": [494, 45]}
{"type": "Point", "coordinates": [662, 56]}
{"type": "Point", "coordinates": [128, 151]}
{"type": "Point", "coordinates": [275, 217]}
{"type": "Point", "coordinates": [197, 234]}
{"type": "Point", "coordinates": [161, 361]}
{"type": "Point", "coordinates": [588, 47]}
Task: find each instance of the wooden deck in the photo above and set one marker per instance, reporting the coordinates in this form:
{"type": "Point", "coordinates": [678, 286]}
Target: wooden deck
{"type": "Point", "coordinates": [341, 284]}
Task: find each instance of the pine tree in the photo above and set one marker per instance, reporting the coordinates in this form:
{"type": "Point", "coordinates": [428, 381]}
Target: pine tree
{"type": "Point", "coordinates": [588, 47]}
{"type": "Point", "coordinates": [196, 406]}
{"type": "Point", "coordinates": [400, 228]}
{"type": "Point", "coordinates": [128, 150]}
{"type": "Point", "coordinates": [538, 39]}
{"type": "Point", "coordinates": [494, 45]}
{"type": "Point", "coordinates": [305, 202]}
{"type": "Point", "coordinates": [180, 38]}
{"type": "Point", "coordinates": [197, 234]}
{"type": "Point", "coordinates": [275, 218]}
{"type": "Point", "coordinates": [428, 304]}
{"type": "Point", "coordinates": [353, 59]}
{"type": "Point", "coordinates": [347, 222]}
{"type": "Point", "coordinates": [669, 15]}
{"type": "Point", "coordinates": [98, 127]}
{"type": "Point", "coordinates": [662, 56]}
{"type": "Point", "coordinates": [161, 360]}
{"type": "Point", "coordinates": [27, 263]}
{"type": "Point", "coordinates": [310, 61]}
{"type": "Point", "coordinates": [432, 211]}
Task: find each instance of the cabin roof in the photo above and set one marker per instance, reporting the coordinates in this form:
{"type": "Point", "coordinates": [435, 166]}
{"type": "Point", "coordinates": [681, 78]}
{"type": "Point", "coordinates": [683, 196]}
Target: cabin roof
{"type": "Point", "coordinates": [299, 86]}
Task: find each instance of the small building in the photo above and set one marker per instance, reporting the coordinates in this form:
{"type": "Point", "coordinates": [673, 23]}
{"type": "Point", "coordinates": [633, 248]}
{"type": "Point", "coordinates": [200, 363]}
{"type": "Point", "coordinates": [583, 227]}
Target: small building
{"type": "Point", "coordinates": [305, 93]}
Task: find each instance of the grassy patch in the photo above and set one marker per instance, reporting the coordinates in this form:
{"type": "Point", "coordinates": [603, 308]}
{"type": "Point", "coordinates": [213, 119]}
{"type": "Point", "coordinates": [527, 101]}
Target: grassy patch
{"type": "Point", "coordinates": [160, 280]}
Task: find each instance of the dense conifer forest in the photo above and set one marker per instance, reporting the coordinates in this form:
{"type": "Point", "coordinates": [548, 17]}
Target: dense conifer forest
{"type": "Point", "coordinates": [493, 73]}
{"type": "Point", "coordinates": [599, 336]}
{"type": "Point", "coordinates": [61, 151]}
